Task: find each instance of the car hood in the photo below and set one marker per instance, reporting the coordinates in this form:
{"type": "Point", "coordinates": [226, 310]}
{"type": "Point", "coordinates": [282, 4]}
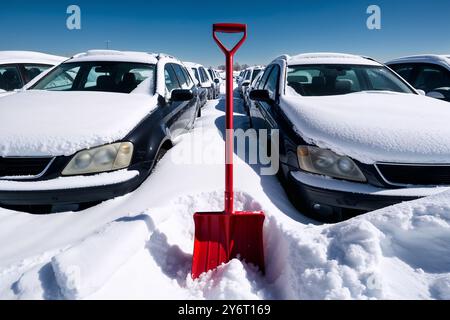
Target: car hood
{"type": "Point", "coordinates": [374, 126]}
{"type": "Point", "coordinates": [45, 123]}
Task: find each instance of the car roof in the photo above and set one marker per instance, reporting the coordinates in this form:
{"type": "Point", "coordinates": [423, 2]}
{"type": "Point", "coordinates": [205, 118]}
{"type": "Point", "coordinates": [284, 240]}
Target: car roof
{"type": "Point", "coordinates": [328, 58]}
{"type": "Point", "coordinates": [192, 64]}
{"type": "Point", "coordinates": [119, 56]}
{"type": "Point", "coordinates": [440, 59]}
{"type": "Point", "coordinates": [7, 57]}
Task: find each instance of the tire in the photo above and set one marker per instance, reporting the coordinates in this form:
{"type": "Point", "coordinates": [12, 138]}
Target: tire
{"type": "Point", "coordinates": [199, 112]}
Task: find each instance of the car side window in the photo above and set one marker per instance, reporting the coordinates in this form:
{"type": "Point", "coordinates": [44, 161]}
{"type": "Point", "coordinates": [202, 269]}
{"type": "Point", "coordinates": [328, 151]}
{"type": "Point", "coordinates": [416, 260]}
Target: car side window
{"type": "Point", "coordinates": [170, 78]}
{"type": "Point", "coordinates": [272, 82]}
{"type": "Point", "coordinates": [188, 77]}
{"type": "Point", "coordinates": [263, 80]}
{"type": "Point", "coordinates": [197, 76]}
{"type": "Point", "coordinates": [181, 76]}
{"type": "Point", "coordinates": [431, 77]}
{"type": "Point", "coordinates": [203, 75]}
{"type": "Point", "coordinates": [10, 78]}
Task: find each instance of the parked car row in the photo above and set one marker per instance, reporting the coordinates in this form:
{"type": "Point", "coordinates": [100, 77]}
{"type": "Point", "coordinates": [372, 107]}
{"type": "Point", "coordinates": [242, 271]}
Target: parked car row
{"type": "Point", "coordinates": [354, 135]}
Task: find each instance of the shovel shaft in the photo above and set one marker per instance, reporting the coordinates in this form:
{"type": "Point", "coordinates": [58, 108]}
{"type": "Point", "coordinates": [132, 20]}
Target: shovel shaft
{"type": "Point", "coordinates": [229, 137]}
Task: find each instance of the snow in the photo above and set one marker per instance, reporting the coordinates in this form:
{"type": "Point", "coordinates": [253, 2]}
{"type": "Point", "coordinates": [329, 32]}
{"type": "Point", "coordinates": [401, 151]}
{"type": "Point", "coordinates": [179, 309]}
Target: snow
{"type": "Point", "coordinates": [328, 58]}
{"type": "Point", "coordinates": [139, 246]}
{"type": "Point", "coordinates": [74, 182]}
{"type": "Point", "coordinates": [69, 121]}
{"type": "Point", "coordinates": [442, 60]}
{"type": "Point", "coordinates": [117, 56]}
{"type": "Point", "coordinates": [29, 57]}
{"type": "Point", "coordinates": [374, 126]}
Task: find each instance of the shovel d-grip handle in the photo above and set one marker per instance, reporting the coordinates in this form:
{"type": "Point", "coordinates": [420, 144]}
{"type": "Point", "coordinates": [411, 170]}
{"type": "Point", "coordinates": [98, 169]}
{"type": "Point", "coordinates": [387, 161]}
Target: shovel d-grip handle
{"type": "Point", "coordinates": [229, 132]}
{"type": "Point", "coordinates": [229, 28]}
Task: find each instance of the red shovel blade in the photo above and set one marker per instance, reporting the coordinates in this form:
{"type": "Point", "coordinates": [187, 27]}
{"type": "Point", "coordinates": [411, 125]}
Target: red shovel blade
{"type": "Point", "coordinates": [247, 237]}
{"type": "Point", "coordinates": [220, 237]}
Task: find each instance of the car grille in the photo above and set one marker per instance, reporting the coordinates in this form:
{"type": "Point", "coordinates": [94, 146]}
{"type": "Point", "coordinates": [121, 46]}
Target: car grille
{"type": "Point", "coordinates": [23, 167]}
{"type": "Point", "coordinates": [414, 174]}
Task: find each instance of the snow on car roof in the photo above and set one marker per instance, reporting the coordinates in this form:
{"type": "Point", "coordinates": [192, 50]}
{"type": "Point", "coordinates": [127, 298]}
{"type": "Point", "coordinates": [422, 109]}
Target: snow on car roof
{"type": "Point", "coordinates": [29, 57]}
{"type": "Point", "coordinates": [192, 64]}
{"type": "Point", "coordinates": [119, 56]}
{"type": "Point", "coordinates": [443, 60]}
{"type": "Point", "coordinates": [328, 58]}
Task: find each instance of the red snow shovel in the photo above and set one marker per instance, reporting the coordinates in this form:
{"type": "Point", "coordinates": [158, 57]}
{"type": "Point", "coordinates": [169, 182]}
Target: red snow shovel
{"type": "Point", "coordinates": [222, 236]}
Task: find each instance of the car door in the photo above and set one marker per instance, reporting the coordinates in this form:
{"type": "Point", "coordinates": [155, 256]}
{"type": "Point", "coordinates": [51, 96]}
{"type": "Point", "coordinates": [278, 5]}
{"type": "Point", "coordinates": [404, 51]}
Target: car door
{"type": "Point", "coordinates": [10, 77]}
{"type": "Point", "coordinates": [256, 115]}
{"type": "Point", "coordinates": [174, 121]}
{"type": "Point", "coordinates": [187, 108]}
{"type": "Point", "coordinates": [268, 109]}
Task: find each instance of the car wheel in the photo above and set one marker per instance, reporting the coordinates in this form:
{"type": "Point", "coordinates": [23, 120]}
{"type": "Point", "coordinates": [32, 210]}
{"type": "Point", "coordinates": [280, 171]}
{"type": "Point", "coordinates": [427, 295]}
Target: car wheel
{"type": "Point", "coordinates": [199, 112]}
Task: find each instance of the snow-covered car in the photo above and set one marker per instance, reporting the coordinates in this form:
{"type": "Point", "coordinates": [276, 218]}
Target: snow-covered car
{"type": "Point", "coordinates": [247, 78]}
{"type": "Point", "coordinates": [216, 81]}
{"type": "Point", "coordinates": [17, 68]}
{"type": "Point", "coordinates": [430, 73]}
{"type": "Point", "coordinates": [354, 136]}
{"type": "Point", "coordinates": [92, 129]}
{"type": "Point", "coordinates": [203, 78]}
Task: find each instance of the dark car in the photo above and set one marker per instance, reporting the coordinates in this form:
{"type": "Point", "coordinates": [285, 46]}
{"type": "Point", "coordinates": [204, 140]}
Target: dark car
{"type": "Point", "coordinates": [354, 136]}
{"type": "Point", "coordinates": [92, 129]}
{"type": "Point", "coordinates": [430, 73]}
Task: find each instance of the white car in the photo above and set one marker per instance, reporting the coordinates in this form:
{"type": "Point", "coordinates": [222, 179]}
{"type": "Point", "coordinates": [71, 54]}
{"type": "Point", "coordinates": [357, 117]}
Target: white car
{"type": "Point", "coordinates": [17, 68]}
{"type": "Point", "coordinates": [247, 78]}
{"type": "Point", "coordinates": [430, 73]}
{"type": "Point", "coordinates": [202, 77]}
{"type": "Point", "coordinates": [91, 129]}
{"type": "Point", "coordinates": [354, 136]}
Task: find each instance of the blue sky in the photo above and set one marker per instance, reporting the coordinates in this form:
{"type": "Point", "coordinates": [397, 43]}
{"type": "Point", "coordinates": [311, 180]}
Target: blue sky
{"type": "Point", "coordinates": [183, 28]}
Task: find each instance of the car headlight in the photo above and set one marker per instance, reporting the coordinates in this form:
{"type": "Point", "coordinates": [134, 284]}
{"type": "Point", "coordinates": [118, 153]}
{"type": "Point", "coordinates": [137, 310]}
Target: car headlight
{"type": "Point", "coordinates": [101, 159]}
{"type": "Point", "coordinates": [326, 162]}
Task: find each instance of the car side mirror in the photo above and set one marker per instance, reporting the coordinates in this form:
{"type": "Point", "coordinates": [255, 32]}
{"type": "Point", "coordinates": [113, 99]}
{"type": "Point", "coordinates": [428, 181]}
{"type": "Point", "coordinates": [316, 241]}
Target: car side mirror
{"type": "Point", "coordinates": [216, 80]}
{"type": "Point", "coordinates": [181, 95]}
{"type": "Point", "coordinates": [436, 95]}
{"type": "Point", "coordinates": [260, 95]}
{"type": "Point", "coordinates": [245, 83]}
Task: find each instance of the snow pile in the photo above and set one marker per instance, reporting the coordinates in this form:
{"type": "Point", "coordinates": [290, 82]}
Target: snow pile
{"type": "Point", "coordinates": [374, 126]}
{"type": "Point", "coordinates": [85, 267]}
{"type": "Point", "coordinates": [386, 254]}
{"type": "Point", "coordinates": [72, 121]}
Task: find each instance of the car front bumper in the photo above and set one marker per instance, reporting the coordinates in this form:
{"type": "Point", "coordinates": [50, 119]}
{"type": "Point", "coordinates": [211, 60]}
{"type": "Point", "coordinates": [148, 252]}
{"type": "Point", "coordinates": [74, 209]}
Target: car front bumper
{"type": "Point", "coordinates": [69, 190]}
{"type": "Point", "coordinates": [326, 197]}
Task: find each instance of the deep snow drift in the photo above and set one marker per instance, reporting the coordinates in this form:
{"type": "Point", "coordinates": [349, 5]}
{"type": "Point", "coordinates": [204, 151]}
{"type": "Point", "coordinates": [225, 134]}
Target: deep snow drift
{"type": "Point", "coordinates": [140, 245]}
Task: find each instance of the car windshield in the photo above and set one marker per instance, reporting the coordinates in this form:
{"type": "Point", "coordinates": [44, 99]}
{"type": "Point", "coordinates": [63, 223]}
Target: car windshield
{"type": "Point", "coordinates": [326, 80]}
{"type": "Point", "coordinates": [121, 77]}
